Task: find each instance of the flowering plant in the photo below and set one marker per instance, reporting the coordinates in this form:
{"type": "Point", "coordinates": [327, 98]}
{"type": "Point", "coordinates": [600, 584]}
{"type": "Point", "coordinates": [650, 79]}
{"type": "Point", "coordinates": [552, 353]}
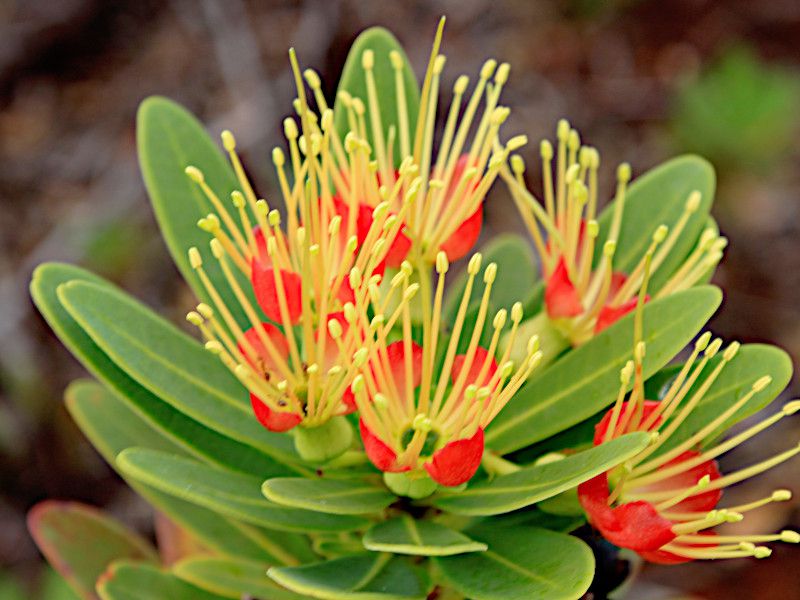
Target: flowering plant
{"type": "Point", "coordinates": [358, 421]}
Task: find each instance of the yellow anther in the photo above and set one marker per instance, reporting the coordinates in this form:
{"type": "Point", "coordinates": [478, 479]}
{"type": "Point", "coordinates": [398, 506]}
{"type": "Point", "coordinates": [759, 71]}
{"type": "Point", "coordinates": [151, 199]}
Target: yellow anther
{"type": "Point", "coordinates": [274, 217]}
{"type": "Point", "coordinates": [470, 391]}
{"type": "Point", "coordinates": [290, 129]}
{"type": "Point", "coordinates": [406, 268]}
{"type": "Point", "coordinates": [195, 260]}
{"type": "Point", "coordinates": [491, 273]}
{"type": "Point", "coordinates": [312, 78]}
{"type": "Point", "coordinates": [626, 373]}
{"type": "Point", "coordinates": [592, 228]}
{"type": "Point", "coordinates": [398, 279]}
{"type": "Point", "coordinates": [572, 173]}
{"type": "Point", "coordinates": [546, 149]}
{"type": "Point", "coordinates": [438, 64]}
{"type": "Point", "coordinates": [781, 495]}
{"type": "Point", "coordinates": [624, 172]}
{"type": "Point", "coordinates": [533, 344]}
{"type": "Point", "coordinates": [205, 310]}
{"type": "Point", "coordinates": [574, 140]}
{"type": "Point", "coordinates": [422, 423]}
{"type": "Point", "coordinates": [501, 76]}
{"type": "Point", "coordinates": [282, 385]}
{"type": "Point", "coordinates": [762, 552]}
{"type": "Point", "coordinates": [790, 537]}
{"type": "Point", "coordinates": [442, 264]}
{"type": "Point", "coordinates": [516, 142]}
{"type": "Point", "coordinates": [500, 319]}
{"type": "Point", "coordinates": [335, 328]}
{"type": "Point", "coordinates": [731, 351]}
{"type": "Point", "coordinates": [355, 278]}
{"type": "Point", "coordinates": [660, 234]}
{"type": "Point", "coordinates": [377, 321]}
{"type": "Point", "coordinates": [380, 211]}
{"type": "Point", "coordinates": [352, 244]}
{"type": "Point", "coordinates": [702, 342]}
{"type": "Point", "coordinates": [411, 291]}
{"type": "Point", "coordinates": [194, 174]}
{"type": "Point", "coordinates": [499, 115]}
{"type": "Point", "coordinates": [488, 68]}
{"type": "Point", "coordinates": [360, 357]}
{"type": "Point", "coordinates": [460, 86]}
{"type": "Point", "coordinates": [350, 313]}
{"type": "Point", "coordinates": [517, 164]}
{"type": "Point", "coordinates": [194, 318]}
{"type": "Point", "coordinates": [713, 348]}
{"type": "Point", "coordinates": [762, 383]}
{"type": "Point", "coordinates": [335, 225]}
{"type": "Point", "coordinates": [516, 312]}
{"type": "Point", "coordinates": [358, 106]}
{"type": "Point", "coordinates": [228, 141]}
{"type": "Point", "coordinates": [380, 400]}
{"type": "Point", "coordinates": [214, 346]}
{"type": "Point", "coordinates": [358, 383]}
{"type": "Point", "coordinates": [693, 203]}
{"type": "Point", "coordinates": [791, 407]}
{"type": "Point", "coordinates": [396, 58]}
{"type": "Point", "coordinates": [562, 130]}
{"type": "Point", "coordinates": [312, 369]}
{"type": "Point", "coordinates": [474, 264]}
{"type": "Point", "coordinates": [640, 351]}
{"type": "Point", "coordinates": [326, 121]}
{"type": "Point", "coordinates": [216, 248]}
{"type": "Point", "coordinates": [609, 248]}
{"type": "Point", "coordinates": [262, 208]}
{"type": "Point", "coordinates": [237, 198]}
{"type": "Point", "coordinates": [507, 369]}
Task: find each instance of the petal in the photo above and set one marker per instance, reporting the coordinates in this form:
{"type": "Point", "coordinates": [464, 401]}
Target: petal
{"type": "Point", "coordinates": [396, 352]}
{"type": "Point", "coordinates": [634, 525]}
{"type": "Point", "coordinates": [277, 421]}
{"type": "Point", "coordinates": [261, 246]}
{"type": "Point", "coordinates": [618, 279]}
{"type": "Point", "coordinates": [363, 219]}
{"type": "Point", "coordinates": [263, 279]}
{"type": "Point", "coordinates": [560, 296]}
{"type": "Point", "coordinates": [703, 502]}
{"type": "Point", "coordinates": [398, 250]}
{"type": "Point", "coordinates": [609, 315]}
{"type": "Point", "coordinates": [379, 453]}
{"type": "Point", "coordinates": [264, 362]}
{"type": "Point", "coordinates": [602, 426]}
{"type": "Point", "coordinates": [481, 354]}
{"type": "Point", "coordinates": [349, 401]}
{"type": "Point", "coordinates": [457, 462]}
{"type": "Point", "coordinates": [463, 239]}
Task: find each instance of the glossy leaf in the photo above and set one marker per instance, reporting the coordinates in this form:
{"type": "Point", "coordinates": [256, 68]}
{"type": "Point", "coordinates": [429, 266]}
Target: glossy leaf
{"type": "Point", "coordinates": [135, 581]}
{"type": "Point", "coordinates": [111, 426]}
{"type": "Point", "coordinates": [336, 497]}
{"type": "Point", "coordinates": [232, 494]}
{"type": "Point", "coordinates": [353, 80]}
{"type": "Point", "coordinates": [659, 197]}
{"type": "Point", "coordinates": [406, 535]}
{"type": "Point", "coordinates": [369, 576]}
{"type": "Point", "coordinates": [81, 541]}
{"type": "Point", "coordinates": [516, 275]}
{"type": "Point", "coordinates": [180, 429]}
{"type": "Point", "coordinates": [521, 563]}
{"type": "Point", "coordinates": [534, 484]}
{"type": "Point", "coordinates": [172, 365]}
{"type": "Point", "coordinates": [169, 139]}
{"type": "Point", "coordinates": [230, 578]}
{"type": "Point", "coordinates": [586, 379]}
{"type": "Point", "coordinates": [750, 363]}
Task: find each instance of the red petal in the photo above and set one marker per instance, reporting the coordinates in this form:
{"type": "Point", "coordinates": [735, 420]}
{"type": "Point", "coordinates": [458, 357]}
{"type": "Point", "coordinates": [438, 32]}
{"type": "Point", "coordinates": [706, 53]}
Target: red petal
{"type": "Point", "coordinates": [634, 525]}
{"type": "Point", "coordinates": [463, 239]}
{"type": "Point", "coordinates": [263, 279]}
{"type": "Point", "coordinates": [699, 503]}
{"type": "Point", "coordinates": [602, 426]}
{"type": "Point", "coordinates": [363, 219]}
{"type": "Point", "coordinates": [457, 462]}
{"type": "Point", "coordinates": [560, 296]}
{"type": "Point", "coordinates": [277, 421]}
{"type": "Point", "coordinates": [265, 363]}
{"type": "Point", "coordinates": [349, 401]}
{"type": "Point", "coordinates": [475, 367]}
{"type": "Point", "coordinates": [610, 315]}
{"type": "Point", "coordinates": [379, 453]}
{"type": "Point", "coordinates": [261, 246]}
{"type": "Point", "coordinates": [398, 250]}
{"type": "Point", "coordinates": [396, 352]}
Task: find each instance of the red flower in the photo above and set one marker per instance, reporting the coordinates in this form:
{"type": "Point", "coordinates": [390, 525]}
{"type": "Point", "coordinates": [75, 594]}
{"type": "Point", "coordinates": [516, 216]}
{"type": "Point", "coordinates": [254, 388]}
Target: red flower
{"type": "Point", "coordinates": [457, 462]}
{"type": "Point", "coordinates": [560, 296]}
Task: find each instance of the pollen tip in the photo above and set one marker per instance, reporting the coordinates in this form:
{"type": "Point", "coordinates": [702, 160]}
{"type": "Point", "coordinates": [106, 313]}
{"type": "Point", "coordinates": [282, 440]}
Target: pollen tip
{"type": "Point", "coordinates": [474, 264]}
{"type": "Point", "coordinates": [562, 130]}
{"type": "Point", "coordinates": [791, 407]}
{"type": "Point", "coordinates": [194, 318]}
{"type": "Point", "coordinates": [702, 342]}
{"type": "Point", "coordinates": [713, 347]}
{"type": "Point", "coordinates": [290, 128]}
{"type": "Point", "coordinates": [205, 310]}
{"type": "Point", "coordinates": [368, 60]}
{"type": "Point", "coordinates": [438, 64]}
{"type": "Point", "coordinates": [358, 384]}
{"type": "Point", "coordinates": [624, 173]}
{"type": "Point", "coordinates": [216, 248]}
{"type": "Point", "coordinates": [732, 516]}
{"type": "Point", "coordinates": [660, 233]}
{"type": "Point", "coordinates": [228, 141]}
{"type": "Point", "coordinates": [592, 228]}
{"type": "Point", "coordinates": [704, 481]}
{"type": "Point", "coordinates": [312, 78]}
{"type": "Point", "coordinates": [407, 268]}
{"type": "Point", "coordinates": [501, 76]}
{"type": "Point", "coordinates": [781, 495]}
{"type": "Point", "coordinates": [790, 537]}
{"type": "Point", "coordinates": [442, 264]}
{"type": "Point", "coordinates": [762, 552]}
{"type": "Point", "coordinates": [488, 68]}
{"type": "Point", "coordinates": [335, 328]}
{"type": "Point", "coordinates": [533, 345]}
{"type": "Point", "coordinates": [516, 142]}
{"type": "Point", "coordinates": [546, 149]}
{"type": "Point", "coordinates": [574, 140]}
{"type": "Point", "coordinates": [274, 217]}
{"type": "Point", "coordinates": [490, 274]}
{"type": "Point", "coordinates": [360, 357]}
{"type": "Point", "coordinates": [194, 174]}
{"type": "Point", "coordinates": [213, 346]}
{"type": "Point", "coordinates": [762, 383]}
{"type": "Point", "coordinates": [460, 85]}
{"type": "Point", "coordinates": [500, 318]}
{"type": "Point", "coordinates": [609, 248]}
{"type": "Point", "coordinates": [237, 198]}
{"type": "Point", "coordinates": [411, 291]}
{"type": "Point", "coordinates": [731, 351]}
{"type": "Point", "coordinates": [396, 59]}
{"type": "Point", "coordinates": [516, 312]}
{"type": "Point", "coordinates": [195, 260]}
{"type": "Point", "coordinates": [693, 202]}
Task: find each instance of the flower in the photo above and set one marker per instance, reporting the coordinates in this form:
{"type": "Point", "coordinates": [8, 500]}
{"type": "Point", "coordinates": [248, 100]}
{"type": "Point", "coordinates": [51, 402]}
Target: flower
{"type": "Point", "coordinates": [584, 294]}
{"type": "Point", "coordinates": [452, 179]}
{"type": "Point", "coordinates": [424, 407]}
{"type": "Point", "coordinates": [663, 502]}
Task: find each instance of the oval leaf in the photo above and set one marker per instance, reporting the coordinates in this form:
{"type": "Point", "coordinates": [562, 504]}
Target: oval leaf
{"type": "Point", "coordinates": [135, 581]}
{"type": "Point", "coordinates": [233, 579]}
{"type": "Point", "coordinates": [81, 541]}
{"type": "Point", "coordinates": [227, 492]}
{"type": "Point", "coordinates": [533, 484]}
{"type": "Point", "coordinates": [327, 496]}
{"type": "Point", "coordinates": [368, 576]}
{"type": "Point", "coordinates": [405, 535]}
{"type": "Point", "coordinates": [353, 81]}
{"type": "Point", "coordinates": [587, 378]}
{"type": "Point", "coordinates": [521, 563]}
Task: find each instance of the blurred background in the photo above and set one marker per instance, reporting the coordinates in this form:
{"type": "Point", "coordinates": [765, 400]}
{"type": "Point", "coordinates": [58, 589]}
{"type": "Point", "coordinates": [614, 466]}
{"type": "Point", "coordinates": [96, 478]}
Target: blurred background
{"type": "Point", "coordinates": [641, 79]}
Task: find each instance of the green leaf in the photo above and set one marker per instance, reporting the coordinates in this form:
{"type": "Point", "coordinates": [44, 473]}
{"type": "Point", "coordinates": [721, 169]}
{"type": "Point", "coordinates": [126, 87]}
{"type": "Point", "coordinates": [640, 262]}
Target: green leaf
{"type": "Point", "coordinates": [521, 563]}
{"type": "Point", "coordinates": [81, 541]}
{"type": "Point", "coordinates": [587, 379]}
{"type": "Point", "coordinates": [232, 494]}
{"type": "Point", "coordinates": [172, 365]}
{"type": "Point", "coordinates": [188, 433]}
{"type": "Point", "coordinates": [752, 362]}
{"type": "Point", "coordinates": [655, 198]}
{"type": "Point", "coordinates": [335, 497]}
{"type": "Point", "coordinates": [353, 80]}
{"type": "Point", "coordinates": [233, 579]}
{"type": "Point", "coordinates": [168, 140]}
{"type": "Point", "coordinates": [368, 576]}
{"type": "Point", "coordinates": [516, 275]}
{"type": "Point", "coordinates": [132, 581]}
{"type": "Point", "coordinates": [418, 537]}
{"type": "Point", "coordinates": [534, 484]}
{"type": "Point", "coordinates": [111, 426]}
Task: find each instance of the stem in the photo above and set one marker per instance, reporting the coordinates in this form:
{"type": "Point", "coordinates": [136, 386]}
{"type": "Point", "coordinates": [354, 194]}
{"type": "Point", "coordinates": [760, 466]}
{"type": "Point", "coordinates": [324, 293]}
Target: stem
{"type": "Point", "coordinates": [497, 465]}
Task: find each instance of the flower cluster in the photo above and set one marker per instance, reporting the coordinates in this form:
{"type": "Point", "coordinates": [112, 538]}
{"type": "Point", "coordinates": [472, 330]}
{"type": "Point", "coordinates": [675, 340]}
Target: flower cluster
{"type": "Point", "coordinates": [663, 502]}
{"type": "Point", "coordinates": [584, 294]}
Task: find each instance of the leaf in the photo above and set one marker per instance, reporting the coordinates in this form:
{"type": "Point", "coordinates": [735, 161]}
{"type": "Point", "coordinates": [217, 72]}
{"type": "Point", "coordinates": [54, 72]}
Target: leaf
{"type": "Point", "coordinates": [516, 275]}
{"type": "Point", "coordinates": [232, 494]}
{"type": "Point", "coordinates": [112, 426]}
{"type": "Point", "coordinates": [750, 363]}
{"type": "Point", "coordinates": [179, 428]}
{"type": "Point", "coordinates": [133, 581]}
{"type": "Point", "coordinates": [80, 541]}
{"type": "Point", "coordinates": [534, 484]}
{"type": "Point", "coordinates": [353, 80]}
{"type": "Point", "coordinates": [587, 379]}
{"type": "Point", "coordinates": [655, 198]}
{"type": "Point", "coordinates": [172, 365]}
{"type": "Point", "coordinates": [230, 578]}
{"type": "Point", "coordinates": [335, 497]}
{"type": "Point", "coordinates": [418, 537]}
{"type": "Point", "coordinates": [368, 576]}
{"type": "Point", "coordinates": [521, 563]}
{"type": "Point", "coordinates": [169, 139]}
